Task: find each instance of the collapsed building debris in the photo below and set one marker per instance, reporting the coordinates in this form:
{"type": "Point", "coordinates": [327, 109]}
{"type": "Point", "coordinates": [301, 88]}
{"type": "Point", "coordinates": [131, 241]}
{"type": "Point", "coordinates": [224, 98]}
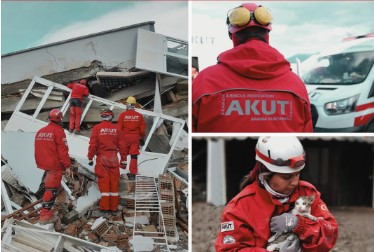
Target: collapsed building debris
{"type": "Point", "coordinates": [115, 76]}
{"type": "Point", "coordinates": [75, 204]}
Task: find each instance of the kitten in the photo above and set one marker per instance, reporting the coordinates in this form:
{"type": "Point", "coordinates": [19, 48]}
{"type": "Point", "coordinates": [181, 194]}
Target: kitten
{"type": "Point", "coordinates": [302, 207]}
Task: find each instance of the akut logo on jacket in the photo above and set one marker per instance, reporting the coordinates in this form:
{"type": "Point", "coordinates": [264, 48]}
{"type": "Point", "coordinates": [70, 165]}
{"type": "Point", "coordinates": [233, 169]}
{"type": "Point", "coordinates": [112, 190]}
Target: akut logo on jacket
{"type": "Point", "coordinates": [131, 118]}
{"type": "Point", "coordinates": [45, 136]}
{"type": "Point", "coordinates": [257, 106]}
{"type": "Point", "coordinates": [106, 131]}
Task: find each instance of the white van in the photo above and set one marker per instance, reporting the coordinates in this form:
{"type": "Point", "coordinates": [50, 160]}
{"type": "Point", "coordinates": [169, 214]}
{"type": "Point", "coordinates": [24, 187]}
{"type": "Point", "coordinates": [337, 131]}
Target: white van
{"type": "Point", "coordinates": [340, 83]}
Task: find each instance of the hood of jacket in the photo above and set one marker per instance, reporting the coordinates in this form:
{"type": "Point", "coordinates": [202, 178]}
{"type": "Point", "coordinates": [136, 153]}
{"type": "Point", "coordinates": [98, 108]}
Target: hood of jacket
{"type": "Point", "coordinates": [255, 59]}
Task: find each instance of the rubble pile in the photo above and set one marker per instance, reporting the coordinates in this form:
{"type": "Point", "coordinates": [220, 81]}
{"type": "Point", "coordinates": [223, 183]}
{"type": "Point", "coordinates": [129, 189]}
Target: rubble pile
{"type": "Point", "coordinates": [113, 231]}
{"type": "Point", "coordinates": [112, 76]}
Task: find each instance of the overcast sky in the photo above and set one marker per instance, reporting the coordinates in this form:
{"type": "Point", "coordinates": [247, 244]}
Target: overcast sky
{"type": "Point", "coordinates": [298, 27]}
{"type": "Point", "coordinates": [30, 23]}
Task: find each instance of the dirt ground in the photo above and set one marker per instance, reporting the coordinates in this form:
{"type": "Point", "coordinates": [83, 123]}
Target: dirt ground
{"type": "Point", "coordinates": [356, 228]}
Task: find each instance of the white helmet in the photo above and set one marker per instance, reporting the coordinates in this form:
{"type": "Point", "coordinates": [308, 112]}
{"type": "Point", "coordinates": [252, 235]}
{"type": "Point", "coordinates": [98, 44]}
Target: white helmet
{"type": "Point", "coordinates": [280, 154]}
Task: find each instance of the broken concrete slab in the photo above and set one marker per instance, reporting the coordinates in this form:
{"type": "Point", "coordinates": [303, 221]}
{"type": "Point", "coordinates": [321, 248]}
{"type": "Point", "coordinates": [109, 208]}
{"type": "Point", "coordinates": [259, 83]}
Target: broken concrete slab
{"type": "Point", "coordinates": [177, 109]}
{"type": "Point", "coordinates": [141, 243]}
{"type": "Point", "coordinates": [142, 219]}
{"type": "Point", "coordinates": [182, 142]}
{"type": "Point", "coordinates": [75, 53]}
{"type": "Point", "coordinates": [86, 201]}
{"type": "Point", "coordinates": [8, 105]}
{"type": "Point", "coordinates": [22, 161]}
{"type": "Point", "coordinates": [70, 217]}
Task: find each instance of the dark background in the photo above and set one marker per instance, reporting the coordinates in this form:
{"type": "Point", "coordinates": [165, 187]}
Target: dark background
{"type": "Point", "coordinates": [341, 170]}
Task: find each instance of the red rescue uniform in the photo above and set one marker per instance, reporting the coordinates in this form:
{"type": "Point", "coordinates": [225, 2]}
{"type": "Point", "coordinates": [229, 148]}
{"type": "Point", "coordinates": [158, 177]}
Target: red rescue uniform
{"type": "Point", "coordinates": [78, 92]}
{"type": "Point", "coordinates": [105, 144]}
{"type": "Point", "coordinates": [245, 223]}
{"type": "Point", "coordinates": [251, 89]}
{"type": "Point", "coordinates": [132, 127]}
{"type": "Point", "coordinates": [51, 155]}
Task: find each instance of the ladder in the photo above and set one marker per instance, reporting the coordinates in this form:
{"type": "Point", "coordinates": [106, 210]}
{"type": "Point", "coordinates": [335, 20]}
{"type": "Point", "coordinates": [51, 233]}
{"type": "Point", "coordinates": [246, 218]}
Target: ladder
{"type": "Point", "coordinates": [147, 202]}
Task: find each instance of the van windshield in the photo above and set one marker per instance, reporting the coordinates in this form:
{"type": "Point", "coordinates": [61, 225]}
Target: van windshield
{"type": "Point", "coordinates": [340, 69]}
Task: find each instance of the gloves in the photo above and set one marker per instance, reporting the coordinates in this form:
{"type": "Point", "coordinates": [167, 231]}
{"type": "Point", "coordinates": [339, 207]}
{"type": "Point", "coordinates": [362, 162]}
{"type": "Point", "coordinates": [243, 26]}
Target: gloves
{"type": "Point", "coordinates": [123, 165]}
{"type": "Point", "coordinates": [292, 244]}
{"type": "Point", "coordinates": [142, 142]}
{"type": "Point", "coordinates": [283, 223]}
{"type": "Point", "coordinates": [90, 162]}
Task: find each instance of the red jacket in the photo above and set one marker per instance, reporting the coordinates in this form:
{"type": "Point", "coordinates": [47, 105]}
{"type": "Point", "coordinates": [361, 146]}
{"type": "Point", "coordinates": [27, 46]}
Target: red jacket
{"type": "Point", "coordinates": [105, 139]}
{"type": "Point", "coordinates": [247, 220]}
{"type": "Point", "coordinates": [251, 89]}
{"type": "Point", "coordinates": [132, 122]}
{"type": "Point", "coordinates": [79, 90]}
{"type": "Point", "coordinates": [51, 148]}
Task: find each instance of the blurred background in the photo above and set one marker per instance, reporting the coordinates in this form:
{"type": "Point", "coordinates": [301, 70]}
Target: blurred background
{"type": "Point", "coordinates": [341, 168]}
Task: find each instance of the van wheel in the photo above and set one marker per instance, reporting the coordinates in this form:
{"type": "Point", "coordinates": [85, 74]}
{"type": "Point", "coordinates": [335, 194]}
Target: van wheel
{"type": "Point", "coordinates": [370, 127]}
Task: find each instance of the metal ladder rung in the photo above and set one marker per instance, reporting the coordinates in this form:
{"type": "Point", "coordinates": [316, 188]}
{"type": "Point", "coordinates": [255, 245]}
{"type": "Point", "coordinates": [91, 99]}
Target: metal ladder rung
{"type": "Point", "coordinates": [147, 200]}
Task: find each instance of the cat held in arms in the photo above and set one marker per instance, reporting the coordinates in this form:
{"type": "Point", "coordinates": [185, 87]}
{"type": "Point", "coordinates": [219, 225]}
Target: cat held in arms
{"type": "Point", "coordinates": [302, 207]}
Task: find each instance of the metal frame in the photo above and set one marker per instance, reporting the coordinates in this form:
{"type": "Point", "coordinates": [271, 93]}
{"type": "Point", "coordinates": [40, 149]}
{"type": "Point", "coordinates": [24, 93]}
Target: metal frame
{"type": "Point", "coordinates": [36, 124]}
{"type": "Point", "coordinates": [147, 201]}
{"type": "Point", "coordinates": [58, 239]}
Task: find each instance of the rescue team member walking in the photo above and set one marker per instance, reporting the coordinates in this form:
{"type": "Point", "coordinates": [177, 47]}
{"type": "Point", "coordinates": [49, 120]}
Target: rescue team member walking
{"type": "Point", "coordinates": [80, 90]}
{"type": "Point", "coordinates": [105, 143]}
{"type": "Point", "coordinates": [252, 88]}
{"type": "Point", "coordinates": [51, 155]}
{"type": "Point", "coordinates": [132, 127]}
{"type": "Point", "coordinates": [267, 196]}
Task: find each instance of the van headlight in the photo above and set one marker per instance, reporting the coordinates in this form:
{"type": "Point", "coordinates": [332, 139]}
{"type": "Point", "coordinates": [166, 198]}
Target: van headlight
{"type": "Point", "coordinates": [344, 106]}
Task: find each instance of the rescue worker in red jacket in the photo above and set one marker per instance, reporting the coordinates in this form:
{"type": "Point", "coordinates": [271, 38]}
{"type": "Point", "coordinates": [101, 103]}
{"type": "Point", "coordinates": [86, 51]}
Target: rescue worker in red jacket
{"type": "Point", "coordinates": [105, 143]}
{"type": "Point", "coordinates": [51, 155]}
{"type": "Point", "coordinates": [267, 195]}
{"type": "Point", "coordinates": [80, 90]}
{"type": "Point", "coordinates": [132, 126]}
{"type": "Point", "coordinates": [252, 88]}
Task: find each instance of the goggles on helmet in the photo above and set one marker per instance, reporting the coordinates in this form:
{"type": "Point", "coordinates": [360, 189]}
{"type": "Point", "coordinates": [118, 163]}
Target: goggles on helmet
{"type": "Point", "coordinates": [241, 16]}
{"type": "Point", "coordinates": [295, 162]}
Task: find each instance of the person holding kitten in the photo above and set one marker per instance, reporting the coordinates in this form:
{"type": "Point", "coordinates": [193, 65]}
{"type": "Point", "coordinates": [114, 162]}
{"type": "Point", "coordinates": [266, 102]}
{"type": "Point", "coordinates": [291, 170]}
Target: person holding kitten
{"type": "Point", "coordinates": [264, 206]}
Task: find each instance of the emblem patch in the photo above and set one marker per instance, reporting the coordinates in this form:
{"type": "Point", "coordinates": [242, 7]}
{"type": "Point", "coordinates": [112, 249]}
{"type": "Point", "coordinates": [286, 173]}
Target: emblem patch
{"type": "Point", "coordinates": [228, 239]}
{"type": "Point", "coordinates": [227, 226]}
